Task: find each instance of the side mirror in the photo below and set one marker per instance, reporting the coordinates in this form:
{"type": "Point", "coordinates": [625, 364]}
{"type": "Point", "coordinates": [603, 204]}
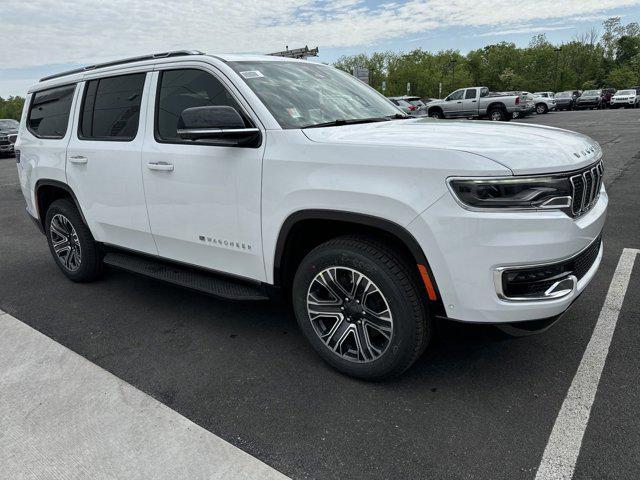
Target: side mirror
{"type": "Point", "coordinates": [13, 137]}
{"type": "Point", "coordinates": [221, 125]}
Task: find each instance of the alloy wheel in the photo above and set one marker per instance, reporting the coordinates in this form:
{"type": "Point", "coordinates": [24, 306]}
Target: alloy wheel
{"type": "Point", "coordinates": [350, 314]}
{"type": "Point", "coordinates": [64, 240]}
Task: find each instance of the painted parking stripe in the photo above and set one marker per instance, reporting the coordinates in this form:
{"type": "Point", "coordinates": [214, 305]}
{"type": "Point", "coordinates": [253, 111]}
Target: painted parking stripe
{"type": "Point", "coordinates": [561, 454]}
{"type": "Point", "coordinates": [64, 417]}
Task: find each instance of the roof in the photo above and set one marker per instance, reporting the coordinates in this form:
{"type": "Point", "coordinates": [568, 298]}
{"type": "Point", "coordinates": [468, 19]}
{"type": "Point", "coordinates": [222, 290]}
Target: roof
{"type": "Point", "coordinates": [77, 74]}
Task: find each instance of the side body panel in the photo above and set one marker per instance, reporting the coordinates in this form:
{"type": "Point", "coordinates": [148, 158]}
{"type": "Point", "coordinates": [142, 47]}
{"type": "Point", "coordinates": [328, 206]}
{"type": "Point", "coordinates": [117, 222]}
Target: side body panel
{"type": "Point", "coordinates": [41, 158]}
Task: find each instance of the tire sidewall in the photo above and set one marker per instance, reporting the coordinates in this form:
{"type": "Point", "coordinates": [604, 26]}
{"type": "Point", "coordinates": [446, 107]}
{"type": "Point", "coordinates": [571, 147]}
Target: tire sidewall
{"type": "Point", "coordinates": [403, 339]}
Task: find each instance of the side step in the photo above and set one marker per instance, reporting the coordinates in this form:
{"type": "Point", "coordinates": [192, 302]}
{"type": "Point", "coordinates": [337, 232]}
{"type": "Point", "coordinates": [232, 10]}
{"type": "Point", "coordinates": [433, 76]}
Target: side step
{"type": "Point", "coordinates": [188, 277]}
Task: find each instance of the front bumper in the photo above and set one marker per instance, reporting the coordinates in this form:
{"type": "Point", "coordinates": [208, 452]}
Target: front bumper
{"type": "Point", "coordinates": [465, 248]}
{"type": "Point", "coordinates": [8, 148]}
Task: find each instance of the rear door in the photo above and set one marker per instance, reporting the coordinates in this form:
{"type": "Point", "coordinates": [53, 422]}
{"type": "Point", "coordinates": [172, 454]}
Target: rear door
{"type": "Point", "coordinates": [470, 102]}
{"type": "Point", "coordinates": [103, 160]}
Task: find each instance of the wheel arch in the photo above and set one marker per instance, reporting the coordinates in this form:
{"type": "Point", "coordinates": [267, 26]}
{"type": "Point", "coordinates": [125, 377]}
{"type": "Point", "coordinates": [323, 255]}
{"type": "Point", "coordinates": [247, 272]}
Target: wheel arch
{"type": "Point", "coordinates": [293, 243]}
{"type": "Point", "coordinates": [47, 191]}
{"type": "Point", "coordinates": [499, 105]}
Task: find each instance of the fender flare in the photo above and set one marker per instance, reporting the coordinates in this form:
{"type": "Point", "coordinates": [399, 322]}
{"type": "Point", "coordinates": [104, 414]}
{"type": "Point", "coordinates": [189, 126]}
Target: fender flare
{"type": "Point", "coordinates": [45, 182]}
{"type": "Point", "coordinates": [385, 225]}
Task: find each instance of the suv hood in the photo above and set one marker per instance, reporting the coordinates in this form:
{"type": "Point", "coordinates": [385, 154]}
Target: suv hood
{"type": "Point", "coordinates": [524, 149]}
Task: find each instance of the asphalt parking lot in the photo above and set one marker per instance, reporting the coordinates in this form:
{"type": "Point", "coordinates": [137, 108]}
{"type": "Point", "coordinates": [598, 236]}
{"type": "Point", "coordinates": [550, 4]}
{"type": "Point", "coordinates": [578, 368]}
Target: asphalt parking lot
{"type": "Point", "coordinates": [478, 405]}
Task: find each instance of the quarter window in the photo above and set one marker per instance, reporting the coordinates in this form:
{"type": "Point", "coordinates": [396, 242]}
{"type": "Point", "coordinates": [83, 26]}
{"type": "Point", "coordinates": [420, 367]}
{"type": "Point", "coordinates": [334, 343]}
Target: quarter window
{"type": "Point", "coordinates": [49, 112]}
{"type": "Point", "coordinates": [111, 108]}
{"type": "Point", "coordinates": [182, 89]}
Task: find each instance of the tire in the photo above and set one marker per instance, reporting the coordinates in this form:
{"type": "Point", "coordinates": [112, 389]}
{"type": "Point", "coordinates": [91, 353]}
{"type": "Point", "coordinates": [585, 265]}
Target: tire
{"type": "Point", "coordinates": [498, 115]}
{"type": "Point", "coordinates": [541, 108]}
{"type": "Point", "coordinates": [82, 261]}
{"type": "Point", "coordinates": [436, 114]}
{"type": "Point", "coordinates": [406, 328]}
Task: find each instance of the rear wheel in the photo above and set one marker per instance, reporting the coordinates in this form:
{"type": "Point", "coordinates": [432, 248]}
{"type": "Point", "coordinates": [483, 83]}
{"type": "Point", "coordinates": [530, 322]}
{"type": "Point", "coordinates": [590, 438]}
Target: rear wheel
{"type": "Point", "coordinates": [499, 115]}
{"type": "Point", "coordinates": [359, 305]}
{"type": "Point", "coordinates": [71, 243]}
{"type": "Point", "coordinates": [541, 108]}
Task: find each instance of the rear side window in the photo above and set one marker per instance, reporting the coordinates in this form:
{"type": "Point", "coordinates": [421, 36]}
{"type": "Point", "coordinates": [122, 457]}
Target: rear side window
{"type": "Point", "coordinates": [182, 89]}
{"type": "Point", "coordinates": [111, 108]}
{"type": "Point", "coordinates": [471, 94]}
{"type": "Point", "coordinates": [49, 112]}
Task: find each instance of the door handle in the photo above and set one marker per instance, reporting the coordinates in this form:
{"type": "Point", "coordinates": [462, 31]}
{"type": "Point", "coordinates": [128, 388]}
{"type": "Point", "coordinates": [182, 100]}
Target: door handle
{"type": "Point", "coordinates": [162, 166]}
{"type": "Point", "coordinates": [79, 159]}
{"type": "Point", "coordinates": [459, 101]}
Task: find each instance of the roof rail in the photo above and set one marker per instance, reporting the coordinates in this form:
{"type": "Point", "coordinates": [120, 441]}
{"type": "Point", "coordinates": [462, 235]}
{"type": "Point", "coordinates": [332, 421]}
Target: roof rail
{"type": "Point", "coordinates": [153, 56]}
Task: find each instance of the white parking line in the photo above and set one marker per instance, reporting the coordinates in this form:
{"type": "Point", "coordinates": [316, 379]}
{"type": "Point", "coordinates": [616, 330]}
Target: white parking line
{"type": "Point", "coordinates": [561, 454]}
{"type": "Point", "coordinates": [63, 417]}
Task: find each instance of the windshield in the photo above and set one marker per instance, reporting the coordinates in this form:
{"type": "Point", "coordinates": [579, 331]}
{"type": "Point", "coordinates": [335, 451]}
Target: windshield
{"type": "Point", "coordinates": [304, 94]}
{"type": "Point", "coordinates": [5, 124]}
{"type": "Point", "coordinates": [626, 92]}
{"type": "Point", "coordinates": [591, 93]}
{"type": "Point", "coordinates": [564, 94]}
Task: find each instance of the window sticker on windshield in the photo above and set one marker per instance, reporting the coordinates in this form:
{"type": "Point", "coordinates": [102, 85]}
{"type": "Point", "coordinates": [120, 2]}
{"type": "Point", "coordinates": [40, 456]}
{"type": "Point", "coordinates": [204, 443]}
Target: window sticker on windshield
{"type": "Point", "coordinates": [252, 74]}
{"type": "Point", "coordinates": [293, 112]}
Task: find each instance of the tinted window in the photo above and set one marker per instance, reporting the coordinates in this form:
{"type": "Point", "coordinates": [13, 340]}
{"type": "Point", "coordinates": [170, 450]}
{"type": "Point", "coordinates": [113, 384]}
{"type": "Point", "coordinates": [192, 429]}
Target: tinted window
{"type": "Point", "coordinates": [111, 108]}
{"type": "Point", "coordinates": [182, 89]}
{"type": "Point", "coordinates": [49, 112]}
{"type": "Point", "coordinates": [471, 94]}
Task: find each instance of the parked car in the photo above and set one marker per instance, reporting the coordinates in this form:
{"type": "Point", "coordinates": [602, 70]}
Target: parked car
{"type": "Point", "coordinates": [544, 102]}
{"type": "Point", "coordinates": [476, 102]}
{"type": "Point", "coordinates": [241, 176]}
{"type": "Point", "coordinates": [591, 99]}
{"type": "Point", "coordinates": [405, 106]}
{"type": "Point", "coordinates": [8, 127]}
{"type": "Point", "coordinates": [628, 98]}
{"type": "Point", "coordinates": [565, 100]}
{"type": "Point", "coordinates": [527, 99]}
{"type": "Point", "coordinates": [607, 93]}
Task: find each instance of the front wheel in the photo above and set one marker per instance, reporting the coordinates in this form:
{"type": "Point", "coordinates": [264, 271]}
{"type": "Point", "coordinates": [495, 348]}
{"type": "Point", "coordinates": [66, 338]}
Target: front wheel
{"type": "Point", "coordinates": [361, 308]}
{"type": "Point", "coordinates": [541, 108]}
{"type": "Point", "coordinates": [436, 114]}
{"type": "Point", "coordinates": [71, 243]}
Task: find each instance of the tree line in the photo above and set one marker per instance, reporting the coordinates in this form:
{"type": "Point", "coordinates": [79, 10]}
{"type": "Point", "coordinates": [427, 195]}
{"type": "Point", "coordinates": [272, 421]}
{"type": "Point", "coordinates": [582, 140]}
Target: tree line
{"type": "Point", "coordinates": [590, 60]}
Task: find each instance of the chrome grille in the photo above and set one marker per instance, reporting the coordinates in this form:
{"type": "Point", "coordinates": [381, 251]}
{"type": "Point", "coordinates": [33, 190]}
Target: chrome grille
{"type": "Point", "coordinates": [586, 188]}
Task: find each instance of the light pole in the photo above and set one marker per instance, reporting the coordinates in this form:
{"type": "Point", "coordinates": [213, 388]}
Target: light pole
{"type": "Point", "coordinates": [557, 49]}
{"type": "Point", "coordinates": [453, 72]}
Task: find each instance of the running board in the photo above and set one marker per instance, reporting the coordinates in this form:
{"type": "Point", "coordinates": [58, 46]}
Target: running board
{"type": "Point", "coordinates": [188, 277]}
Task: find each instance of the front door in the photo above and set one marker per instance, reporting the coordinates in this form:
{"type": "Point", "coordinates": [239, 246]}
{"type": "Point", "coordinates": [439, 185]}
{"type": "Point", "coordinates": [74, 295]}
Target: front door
{"type": "Point", "coordinates": [103, 160]}
{"type": "Point", "coordinates": [453, 104]}
{"type": "Point", "coordinates": [203, 200]}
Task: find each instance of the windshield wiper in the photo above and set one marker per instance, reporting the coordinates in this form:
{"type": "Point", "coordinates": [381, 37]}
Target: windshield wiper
{"type": "Point", "coordinates": [350, 121]}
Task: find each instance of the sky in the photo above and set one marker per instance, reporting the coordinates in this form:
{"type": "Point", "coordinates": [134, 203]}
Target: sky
{"type": "Point", "coordinates": [40, 37]}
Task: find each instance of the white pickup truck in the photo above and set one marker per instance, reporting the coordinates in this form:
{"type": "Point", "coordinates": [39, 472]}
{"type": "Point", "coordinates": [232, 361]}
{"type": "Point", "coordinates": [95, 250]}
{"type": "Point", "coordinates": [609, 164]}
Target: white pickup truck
{"type": "Point", "coordinates": [476, 102]}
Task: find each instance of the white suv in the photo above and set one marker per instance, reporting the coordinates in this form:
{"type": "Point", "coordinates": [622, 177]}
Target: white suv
{"type": "Point", "coordinates": [242, 175]}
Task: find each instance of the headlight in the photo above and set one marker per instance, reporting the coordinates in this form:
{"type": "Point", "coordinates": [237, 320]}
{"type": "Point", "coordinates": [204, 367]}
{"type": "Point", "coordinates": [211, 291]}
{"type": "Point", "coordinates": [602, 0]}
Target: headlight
{"type": "Point", "coordinates": [521, 193]}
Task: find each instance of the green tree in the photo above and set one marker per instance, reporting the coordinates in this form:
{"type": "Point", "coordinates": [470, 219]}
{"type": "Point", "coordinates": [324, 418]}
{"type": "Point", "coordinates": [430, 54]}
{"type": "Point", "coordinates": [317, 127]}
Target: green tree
{"type": "Point", "coordinates": [11, 107]}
